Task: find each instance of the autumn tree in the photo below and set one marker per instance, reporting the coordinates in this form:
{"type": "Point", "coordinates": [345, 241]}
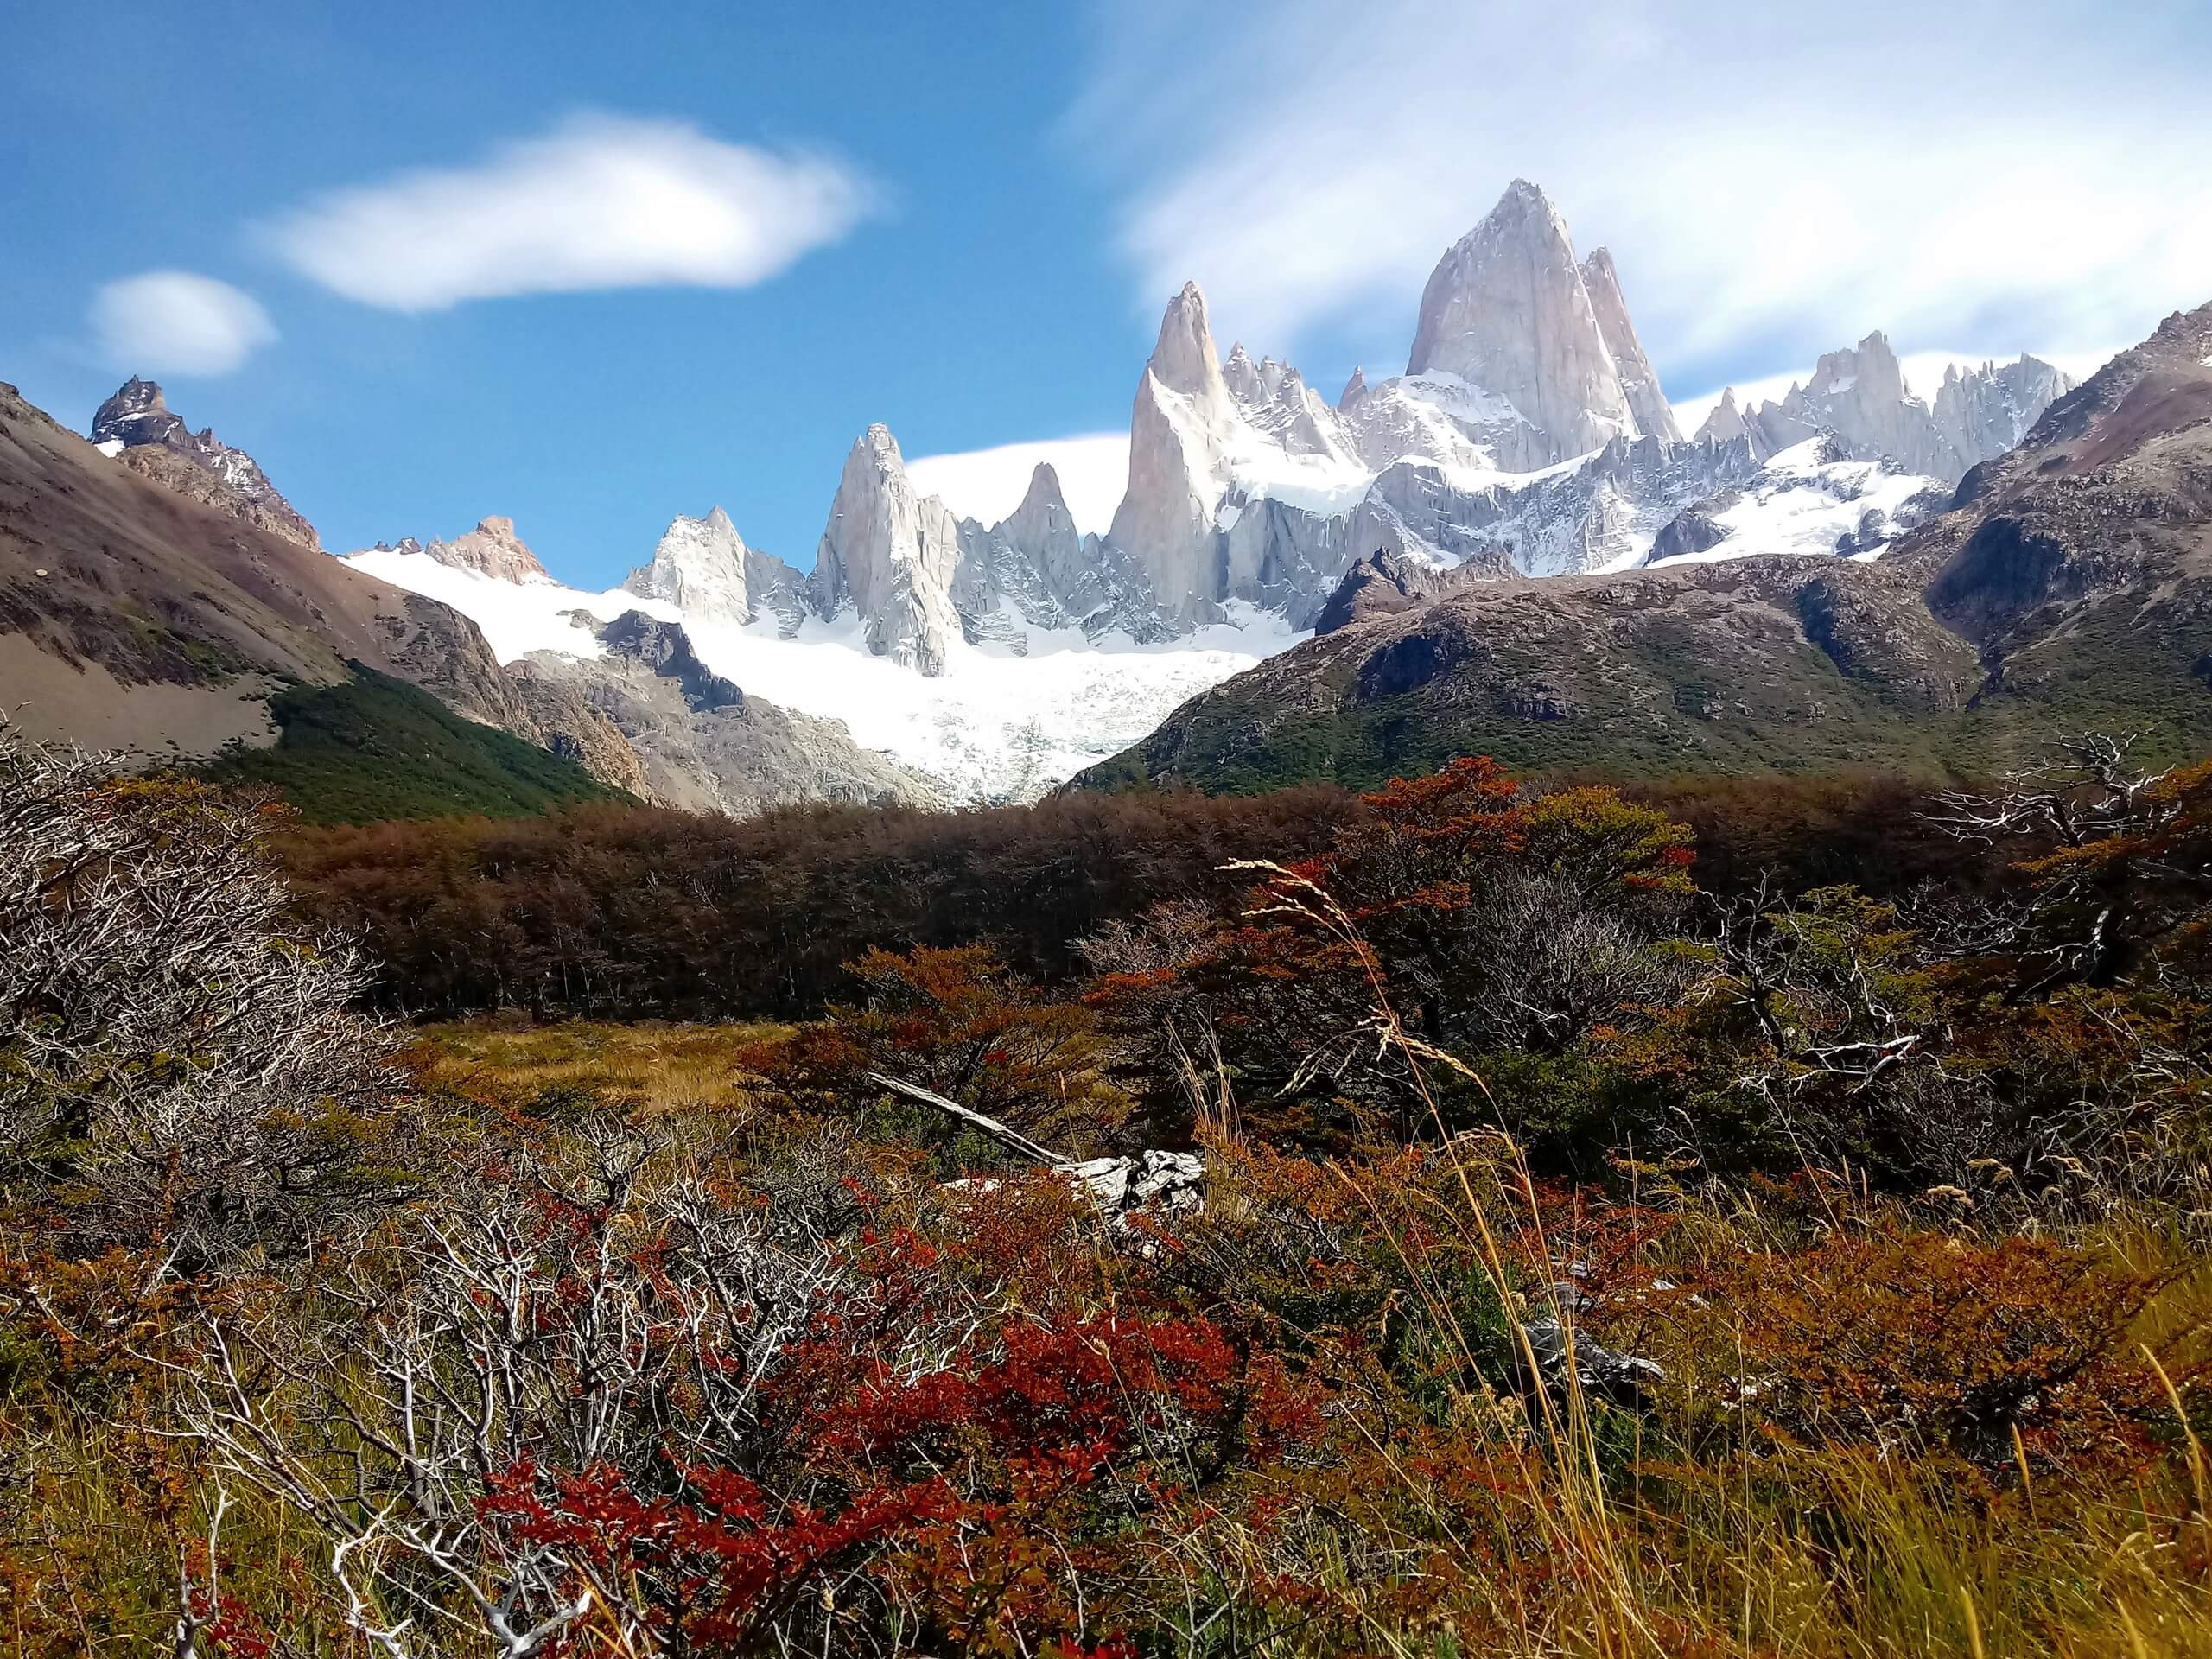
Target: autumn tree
{"type": "Point", "coordinates": [1462, 910]}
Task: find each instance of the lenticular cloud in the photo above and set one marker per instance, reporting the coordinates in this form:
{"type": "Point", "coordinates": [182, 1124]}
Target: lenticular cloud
{"type": "Point", "coordinates": [177, 322]}
{"type": "Point", "coordinates": [600, 202]}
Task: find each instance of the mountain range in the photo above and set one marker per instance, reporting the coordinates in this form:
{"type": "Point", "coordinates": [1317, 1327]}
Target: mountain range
{"type": "Point", "coordinates": [2065, 587]}
{"type": "Point", "coordinates": [1518, 511]}
{"type": "Point", "coordinates": [1528, 436]}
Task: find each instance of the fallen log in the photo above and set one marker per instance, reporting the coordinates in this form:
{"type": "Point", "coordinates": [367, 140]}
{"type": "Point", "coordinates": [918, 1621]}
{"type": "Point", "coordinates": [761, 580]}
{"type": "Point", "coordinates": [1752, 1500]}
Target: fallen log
{"type": "Point", "coordinates": [1153, 1181]}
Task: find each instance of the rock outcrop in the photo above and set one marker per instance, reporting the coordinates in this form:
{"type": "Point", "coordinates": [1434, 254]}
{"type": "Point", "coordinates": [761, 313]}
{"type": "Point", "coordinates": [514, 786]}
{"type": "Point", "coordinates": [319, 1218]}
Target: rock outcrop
{"type": "Point", "coordinates": [555, 712]}
{"type": "Point", "coordinates": [1385, 583]}
{"type": "Point", "coordinates": [697, 741]}
{"type": "Point", "coordinates": [492, 550]}
{"type": "Point", "coordinates": [137, 427]}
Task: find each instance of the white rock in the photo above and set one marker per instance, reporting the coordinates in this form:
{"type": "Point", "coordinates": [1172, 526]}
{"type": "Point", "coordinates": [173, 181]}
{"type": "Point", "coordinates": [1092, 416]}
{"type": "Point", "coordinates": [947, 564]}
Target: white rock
{"type": "Point", "coordinates": [889, 556]}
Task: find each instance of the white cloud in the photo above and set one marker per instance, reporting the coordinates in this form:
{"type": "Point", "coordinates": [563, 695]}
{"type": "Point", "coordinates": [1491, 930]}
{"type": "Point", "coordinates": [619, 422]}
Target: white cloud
{"type": "Point", "coordinates": [1970, 173]}
{"type": "Point", "coordinates": [177, 322]}
{"type": "Point", "coordinates": [988, 484]}
{"type": "Point", "coordinates": [602, 201]}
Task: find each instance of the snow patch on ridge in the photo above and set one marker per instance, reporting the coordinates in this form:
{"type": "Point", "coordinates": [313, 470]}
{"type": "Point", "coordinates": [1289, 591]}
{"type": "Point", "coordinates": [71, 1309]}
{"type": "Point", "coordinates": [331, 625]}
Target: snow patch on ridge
{"type": "Point", "coordinates": [517, 617]}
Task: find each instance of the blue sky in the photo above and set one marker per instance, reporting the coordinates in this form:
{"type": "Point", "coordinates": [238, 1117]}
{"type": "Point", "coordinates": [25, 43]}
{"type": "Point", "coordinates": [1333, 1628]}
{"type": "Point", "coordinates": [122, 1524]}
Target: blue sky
{"type": "Point", "coordinates": [964, 221]}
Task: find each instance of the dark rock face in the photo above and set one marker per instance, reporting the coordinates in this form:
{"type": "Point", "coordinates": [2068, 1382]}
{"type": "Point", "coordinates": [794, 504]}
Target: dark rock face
{"type": "Point", "coordinates": [1416, 660]}
{"type": "Point", "coordinates": [1694, 529]}
{"type": "Point", "coordinates": [2010, 565]}
{"type": "Point", "coordinates": [137, 413]}
{"type": "Point", "coordinates": [138, 427]}
{"type": "Point", "coordinates": [1386, 583]}
{"type": "Point", "coordinates": [666, 649]}
{"type": "Point", "coordinates": [1381, 584]}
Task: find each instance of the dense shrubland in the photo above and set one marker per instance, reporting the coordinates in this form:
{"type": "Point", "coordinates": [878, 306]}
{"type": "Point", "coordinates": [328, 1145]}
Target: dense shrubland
{"type": "Point", "coordinates": [611, 912]}
{"type": "Point", "coordinates": [1599, 1257]}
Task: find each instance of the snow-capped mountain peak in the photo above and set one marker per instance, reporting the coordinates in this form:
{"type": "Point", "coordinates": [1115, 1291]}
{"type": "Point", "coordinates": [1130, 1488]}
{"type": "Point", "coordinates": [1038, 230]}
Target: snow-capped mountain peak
{"type": "Point", "coordinates": [1183, 360]}
{"type": "Point", "coordinates": [1507, 310]}
{"type": "Point", "coordinates": [137, 413]}
{"type": "Point", "coordinates": [698, 566]}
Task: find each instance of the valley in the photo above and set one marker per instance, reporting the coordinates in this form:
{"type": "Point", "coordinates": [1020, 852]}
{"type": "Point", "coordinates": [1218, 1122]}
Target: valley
{"type": "Point", "coordinates": [1397, 960]}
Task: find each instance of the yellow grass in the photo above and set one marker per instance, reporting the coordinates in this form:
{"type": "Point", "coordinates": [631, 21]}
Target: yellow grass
{"type": "Point", "coordinates": [654, 1067]}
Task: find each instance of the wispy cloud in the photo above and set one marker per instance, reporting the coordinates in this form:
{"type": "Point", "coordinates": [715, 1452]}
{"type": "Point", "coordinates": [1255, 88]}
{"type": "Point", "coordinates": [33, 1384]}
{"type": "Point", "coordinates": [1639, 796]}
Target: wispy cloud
{"type": "Point", "coordinates": [1989, 176]}
{"type": "Point", "coordinates": [602, 201]}
{"type": "Point", "coordinates": [176, 323]}
{"type": "Point", "coordinates": [988, 484]}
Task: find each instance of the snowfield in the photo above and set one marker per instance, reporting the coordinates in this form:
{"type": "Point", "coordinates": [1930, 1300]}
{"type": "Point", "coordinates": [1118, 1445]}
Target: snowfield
{"type": "Point", "coordinates": [1802, 503]}
{"type": "Point", "coordinates": [996, 726]}
{"type": "Point", "coordinates": [517, 617]}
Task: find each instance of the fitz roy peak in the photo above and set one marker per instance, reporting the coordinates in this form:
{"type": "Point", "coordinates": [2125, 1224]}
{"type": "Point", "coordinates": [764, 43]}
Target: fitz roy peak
{"type": "Point", "coordinates": [1529, 436]}
{"type": "Point", "coordinates": [1507, 310]}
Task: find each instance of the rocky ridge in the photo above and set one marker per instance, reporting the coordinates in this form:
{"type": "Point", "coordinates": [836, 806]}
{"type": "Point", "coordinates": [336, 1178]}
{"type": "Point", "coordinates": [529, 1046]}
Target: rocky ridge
{"type": "Point", "coordinates": [699, 741]}
{"type": "Point", "coordinates": [136, 622]}
{"type": "Point", "coordinates": [137, 427]}
{"type": "Point", "coordinates": [1859, 396]}
{"type": "Point", "coordinates": [1530, 434]}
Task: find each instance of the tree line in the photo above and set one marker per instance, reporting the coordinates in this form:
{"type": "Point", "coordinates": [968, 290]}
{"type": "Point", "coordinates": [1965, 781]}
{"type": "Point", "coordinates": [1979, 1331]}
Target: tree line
{"type": "Point", "coordinates": [627, 913]}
